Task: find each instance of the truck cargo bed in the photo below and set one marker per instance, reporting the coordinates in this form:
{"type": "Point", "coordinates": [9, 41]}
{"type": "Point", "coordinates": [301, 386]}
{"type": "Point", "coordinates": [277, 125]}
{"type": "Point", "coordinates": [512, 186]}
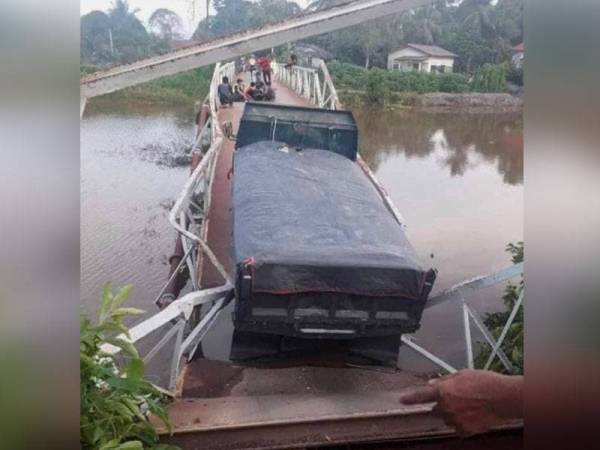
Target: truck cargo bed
{"type": "Point", "coordinates": [316, 250]}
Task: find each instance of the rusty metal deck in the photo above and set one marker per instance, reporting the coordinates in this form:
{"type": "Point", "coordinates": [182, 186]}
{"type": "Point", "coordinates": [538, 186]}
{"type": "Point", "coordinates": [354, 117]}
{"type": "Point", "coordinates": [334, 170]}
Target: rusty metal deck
{"type": "Point", "coordinates": [226, 406]}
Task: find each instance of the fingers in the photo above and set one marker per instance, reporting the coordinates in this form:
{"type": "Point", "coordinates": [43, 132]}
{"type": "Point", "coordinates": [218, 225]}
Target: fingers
{"type": "Point", "coordinates": [434, 381]}
{"type": "Point", "coordinates": [425, 394]}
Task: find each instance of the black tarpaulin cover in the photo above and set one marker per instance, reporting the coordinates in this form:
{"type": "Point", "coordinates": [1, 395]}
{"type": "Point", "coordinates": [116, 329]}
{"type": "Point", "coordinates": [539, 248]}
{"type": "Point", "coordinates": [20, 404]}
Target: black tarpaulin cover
{"type": "Point", "coordinates": [311, 221]}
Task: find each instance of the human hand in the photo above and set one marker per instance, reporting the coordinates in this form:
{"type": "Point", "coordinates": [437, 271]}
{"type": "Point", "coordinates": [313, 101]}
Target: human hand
{"type": "Point", "coordinates": [472, 401]}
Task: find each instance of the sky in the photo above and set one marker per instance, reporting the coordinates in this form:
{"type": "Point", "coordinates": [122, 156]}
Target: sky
{"type": "Point", "coordinates": [182, 7]}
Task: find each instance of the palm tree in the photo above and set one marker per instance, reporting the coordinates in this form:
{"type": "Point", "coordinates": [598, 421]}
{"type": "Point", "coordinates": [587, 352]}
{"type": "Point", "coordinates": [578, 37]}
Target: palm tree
{"type": "Point", "coordinates": [121, 12]}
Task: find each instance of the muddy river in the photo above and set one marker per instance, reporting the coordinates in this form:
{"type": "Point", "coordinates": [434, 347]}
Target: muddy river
{"type": "Point", "coordinates": [456, 178]}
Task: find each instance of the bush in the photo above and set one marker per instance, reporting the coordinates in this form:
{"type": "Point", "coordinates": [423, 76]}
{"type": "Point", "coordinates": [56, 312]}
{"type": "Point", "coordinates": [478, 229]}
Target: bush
{"type": "Point", "coordinates": [453, 82]}
{"type": "Point", "coordinates": [490, 78]}
{"type": "Point", "coordinates": [113, 401]}
{"type": "Point", "coordinates": [347, 75]}
{"type": "Point", "coordinates": [378, 90]}
{"type": "Point", "coordinates": [350, 76]}
{"type": "Point", "coordinates": [513, 342]}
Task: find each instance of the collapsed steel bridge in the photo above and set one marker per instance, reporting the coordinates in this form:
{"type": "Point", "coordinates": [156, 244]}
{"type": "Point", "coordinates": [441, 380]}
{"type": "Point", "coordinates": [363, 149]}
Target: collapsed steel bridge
{"type": "Point", "coordinates": [185, 322]}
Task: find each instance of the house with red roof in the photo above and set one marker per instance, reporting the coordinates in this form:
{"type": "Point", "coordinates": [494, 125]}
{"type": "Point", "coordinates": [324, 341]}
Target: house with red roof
{"type": "Point", "coordinates": [421, 58]}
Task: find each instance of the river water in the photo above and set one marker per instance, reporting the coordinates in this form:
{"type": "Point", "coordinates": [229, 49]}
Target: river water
{"type": "Point", "coordinates": [456, 178]}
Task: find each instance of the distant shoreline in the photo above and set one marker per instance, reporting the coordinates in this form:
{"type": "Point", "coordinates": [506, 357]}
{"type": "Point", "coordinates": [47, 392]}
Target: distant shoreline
{"type": "Point", "coordinates": [475, 102]}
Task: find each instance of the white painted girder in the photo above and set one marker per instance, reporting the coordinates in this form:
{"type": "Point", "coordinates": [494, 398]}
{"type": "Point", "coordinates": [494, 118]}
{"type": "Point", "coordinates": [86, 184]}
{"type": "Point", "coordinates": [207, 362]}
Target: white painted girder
{"type": "Point", "coordinates": [241, 44]}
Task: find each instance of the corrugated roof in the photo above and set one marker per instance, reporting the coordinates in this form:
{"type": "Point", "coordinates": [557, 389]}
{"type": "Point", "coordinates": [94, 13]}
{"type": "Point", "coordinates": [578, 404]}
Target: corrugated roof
{"type": "Point", "coordinates": [432, 50]}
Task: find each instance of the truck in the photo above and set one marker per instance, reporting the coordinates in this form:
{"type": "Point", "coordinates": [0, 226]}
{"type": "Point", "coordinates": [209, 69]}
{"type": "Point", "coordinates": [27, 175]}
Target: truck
{"type": "Point", "coordinates": [320, 257]}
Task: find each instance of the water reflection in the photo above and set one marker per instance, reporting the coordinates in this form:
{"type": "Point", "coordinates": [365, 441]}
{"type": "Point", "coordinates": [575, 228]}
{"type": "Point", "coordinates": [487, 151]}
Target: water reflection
{"type": "Point", "coordinates": [463, 140]}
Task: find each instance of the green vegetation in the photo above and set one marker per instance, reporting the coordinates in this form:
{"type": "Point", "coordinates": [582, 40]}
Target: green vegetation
{"type": "Point", "coordinates": [382, 87]}
{"type": "Point", "coordinates": [350, 76]}
{"type": "Point", "coordinates": [490, 78]}
{"type": "Point", "coordinates": [513, 343]}
{"type": "Point", "coordinates": [481, 32]}
{"type": "Point", "coordinates": [377, 87]}
{"type": "Point", "coordinates": [114, 401]}
{"type": "Point", "coordinates": [232, 16]}
{"type": "Point", "coordinates": [182, 88]}
{"type": "Point", "coordinates": [478, 31]}
{"type": "Point", "coordinates": [116, 37]}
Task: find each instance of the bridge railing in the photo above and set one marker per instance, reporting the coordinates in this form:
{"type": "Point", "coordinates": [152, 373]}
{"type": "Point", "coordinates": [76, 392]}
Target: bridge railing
{"type": "Point", "coordinates": [314, 84]}
{"type": "Point", "coordinates": [189, 215]}
{"type": "Point", "coordinates": [180, 326]}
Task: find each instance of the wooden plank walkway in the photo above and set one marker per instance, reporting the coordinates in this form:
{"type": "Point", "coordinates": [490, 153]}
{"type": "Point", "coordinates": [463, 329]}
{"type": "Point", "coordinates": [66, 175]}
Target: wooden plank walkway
{"type": "Point", "coordinates": [219, 215]}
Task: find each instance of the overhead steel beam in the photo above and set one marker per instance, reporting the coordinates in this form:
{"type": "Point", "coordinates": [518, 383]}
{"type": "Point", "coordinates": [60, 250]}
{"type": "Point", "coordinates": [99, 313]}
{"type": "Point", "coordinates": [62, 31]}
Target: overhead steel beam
{"type": "Point", "coordinates": [240, 44]}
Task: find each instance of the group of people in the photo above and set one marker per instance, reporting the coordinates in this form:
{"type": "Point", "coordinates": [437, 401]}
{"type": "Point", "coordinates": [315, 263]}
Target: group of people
{"type": "Point", "coordinates": [258, 68]}
{"type": "Point", "coordinates": [260, 83]}
{"type": "Point", "coordinates": [257, 91]}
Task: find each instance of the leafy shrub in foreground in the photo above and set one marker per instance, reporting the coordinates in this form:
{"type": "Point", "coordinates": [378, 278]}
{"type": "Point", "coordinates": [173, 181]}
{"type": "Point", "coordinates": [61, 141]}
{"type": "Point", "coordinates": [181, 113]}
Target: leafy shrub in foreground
{"type": "Point", "coordinates": [114, 403]}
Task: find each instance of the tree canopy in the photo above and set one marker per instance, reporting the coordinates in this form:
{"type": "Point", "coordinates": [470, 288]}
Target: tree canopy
{"type": "Point", "coordinates": [232, 16]}
{"type": "Point", "coordinates": [118, 36]}
{"type": "Point", "coordinates": [166, 24]}
{"type": "Point", "coordinates": [478, 31]}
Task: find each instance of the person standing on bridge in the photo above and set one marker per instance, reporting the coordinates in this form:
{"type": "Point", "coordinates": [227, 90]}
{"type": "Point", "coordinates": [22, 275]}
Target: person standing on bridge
{"type": "Point", "coordinates": [225, 92]}
{"type": "Point", "coordinates": [252, 67]}
{"type": "Point", "coordinates": [265, 66]}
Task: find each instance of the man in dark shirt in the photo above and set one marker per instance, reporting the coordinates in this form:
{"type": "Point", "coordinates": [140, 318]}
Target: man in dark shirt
{"type": "Point", "coordinates": [225, 92]}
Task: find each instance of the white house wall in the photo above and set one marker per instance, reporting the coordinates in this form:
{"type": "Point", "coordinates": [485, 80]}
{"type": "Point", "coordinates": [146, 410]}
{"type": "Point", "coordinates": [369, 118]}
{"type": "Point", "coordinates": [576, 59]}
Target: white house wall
{"type": "Point", "coordinates": [411, 52]}
{"type": "Point", "coordinates": [448, 62]}
{"type": "Point", "coordinates": [426, 64]}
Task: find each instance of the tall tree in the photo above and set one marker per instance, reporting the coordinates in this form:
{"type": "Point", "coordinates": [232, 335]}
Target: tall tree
{"type": "Point", "coordinates": [166, 24]}
{"type": "Point", "coordinates": [117, 36]}
{"type": "Point", "coordinates": [424, 25]}
{"type": "Point", "coordinates": [131, 40]}
{"type": "Point", "coordinates": [95, 37]}
{"type": "Point", "coordinates": [232, 16]}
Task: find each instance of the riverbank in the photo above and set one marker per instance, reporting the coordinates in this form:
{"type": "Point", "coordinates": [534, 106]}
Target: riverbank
{"type": "Point", "coordinates": [470, 101]}
{"type": "Point", "coordinates": [439, 101]}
